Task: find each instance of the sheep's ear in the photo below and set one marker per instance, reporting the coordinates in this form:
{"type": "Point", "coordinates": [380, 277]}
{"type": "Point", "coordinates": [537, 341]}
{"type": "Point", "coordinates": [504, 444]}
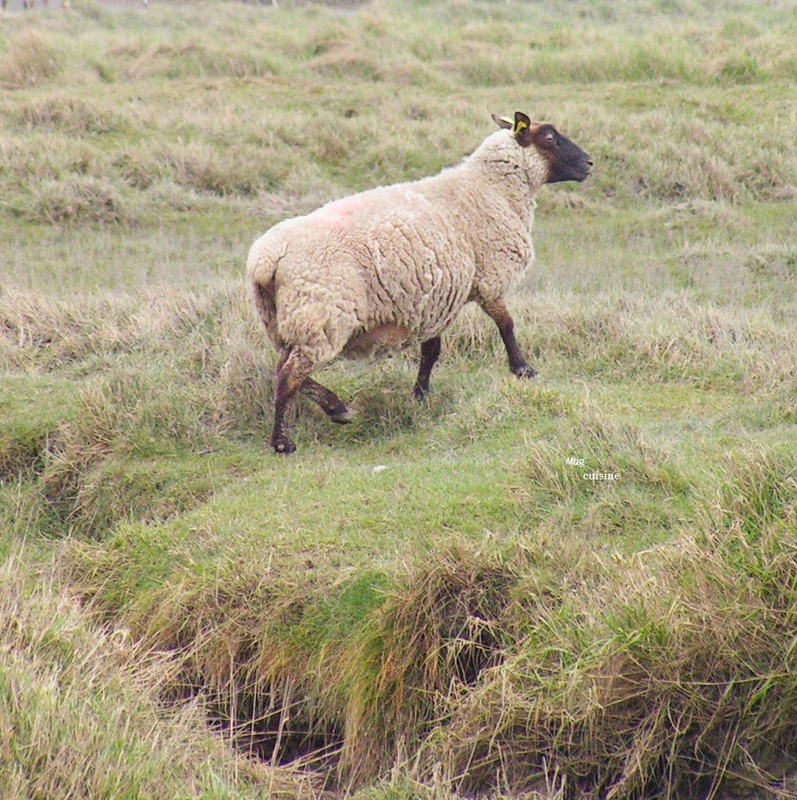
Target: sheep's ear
{"type": "Point", "coordinates": [522, 129]}
{"type": "Point", "coordinates": [502, 122]}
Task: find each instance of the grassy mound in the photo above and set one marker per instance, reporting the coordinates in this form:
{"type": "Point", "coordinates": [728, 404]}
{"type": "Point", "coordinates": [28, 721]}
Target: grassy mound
{"type": "Point", "coordinates": [666, 672]}
{"type": "Point", "coordinates": [504, 665]}
{"type": "Point", "coordinates": [81, 711]}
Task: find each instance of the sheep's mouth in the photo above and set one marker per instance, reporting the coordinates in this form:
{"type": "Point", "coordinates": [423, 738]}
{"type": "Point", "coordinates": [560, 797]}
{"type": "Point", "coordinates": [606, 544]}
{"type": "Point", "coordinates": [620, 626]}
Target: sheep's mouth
{"type": "Point", "coordinates": [578, 170]}
{"type": "Point", "coordinates": [586, 170]}
{"type": "Point", "coordinates": [568, 162]}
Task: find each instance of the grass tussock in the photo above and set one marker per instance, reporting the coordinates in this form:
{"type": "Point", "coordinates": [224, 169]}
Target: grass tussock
{"type": "Point", "coordinates": [79, 200]}
{"type": "Point", "coordinates": [758, 492]}
{"type": "Point", "coordinates": [480, 671]}
{"type": "Point", "coordinates": [436, 632]}
{"type": "Point", "coordinates": [677, 678]}
{"type": "Point", "coordinates": [601, 477]}
{"type": "Point", "coordinates": [80, 713]}
{"type": "Point", "coordinates": [69, 115]}
{"type": "Point", "coordinates": [32, 60]}
{"type": "Point", "coordinates": [192, 59]}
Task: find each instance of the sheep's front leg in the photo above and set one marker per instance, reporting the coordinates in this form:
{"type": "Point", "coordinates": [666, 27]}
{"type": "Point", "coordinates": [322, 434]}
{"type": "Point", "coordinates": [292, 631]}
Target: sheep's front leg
{"type": "Point", "coordinates": [430, 352]}
{"type": "Point", "coordinates": [293, 369]}
{"type": "Point", "coordinates": [496, 310]}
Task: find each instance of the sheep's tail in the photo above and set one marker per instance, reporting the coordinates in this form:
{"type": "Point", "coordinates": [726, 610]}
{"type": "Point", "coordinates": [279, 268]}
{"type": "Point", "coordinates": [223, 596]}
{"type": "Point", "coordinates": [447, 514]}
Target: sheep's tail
{"type": "Point", "coordinates": [265, 307]}
{"type": "Point", "coordinates": [261, 268]}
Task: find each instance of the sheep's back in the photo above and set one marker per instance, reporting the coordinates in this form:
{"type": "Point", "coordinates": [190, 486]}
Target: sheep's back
{"type": "Point", "coordinates": [387, 256]}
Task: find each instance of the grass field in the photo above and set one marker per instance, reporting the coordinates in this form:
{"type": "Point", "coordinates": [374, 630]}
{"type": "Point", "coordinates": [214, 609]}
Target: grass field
{"type": "Point", "coordinates": [438, 600]}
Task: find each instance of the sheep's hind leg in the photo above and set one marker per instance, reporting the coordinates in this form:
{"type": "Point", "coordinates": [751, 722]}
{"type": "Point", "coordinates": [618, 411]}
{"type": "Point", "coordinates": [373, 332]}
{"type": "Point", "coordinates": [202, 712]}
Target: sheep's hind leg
{"type": "Point", "coordinates": [497, 311]}
{"type": "Point", "coordinates": [329, 402]}
{"type": "Point", "coordinates": [293, 368]}
{"type": "Point", "coordinates": [430, 352]}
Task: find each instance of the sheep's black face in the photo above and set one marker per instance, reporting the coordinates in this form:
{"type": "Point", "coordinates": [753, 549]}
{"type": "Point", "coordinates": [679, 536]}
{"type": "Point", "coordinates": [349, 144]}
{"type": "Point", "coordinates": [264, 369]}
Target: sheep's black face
{"type": "Point", "coordinates": [566, 161]}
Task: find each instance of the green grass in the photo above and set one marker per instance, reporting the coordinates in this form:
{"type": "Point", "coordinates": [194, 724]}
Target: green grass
{"type": "Point", "coordinates": [433, 601]}
{"type": "Point", "coordinates": [81, 714]}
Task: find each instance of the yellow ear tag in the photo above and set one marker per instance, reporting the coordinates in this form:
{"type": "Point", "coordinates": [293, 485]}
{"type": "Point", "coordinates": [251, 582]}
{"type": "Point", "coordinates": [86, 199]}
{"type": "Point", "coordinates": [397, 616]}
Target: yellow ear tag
{"type": "Point", "coordinates": [519, 126]}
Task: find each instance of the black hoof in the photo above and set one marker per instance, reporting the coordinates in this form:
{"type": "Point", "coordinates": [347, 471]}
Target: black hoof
{"type": "Point", "coordinates": [284, 447]}
{"type": "Point", "coordinates": [419, 393]}
{"type": "Point", "coordinates": [524, 371]}
{"type": "Point", "coordinates": [340, 416]}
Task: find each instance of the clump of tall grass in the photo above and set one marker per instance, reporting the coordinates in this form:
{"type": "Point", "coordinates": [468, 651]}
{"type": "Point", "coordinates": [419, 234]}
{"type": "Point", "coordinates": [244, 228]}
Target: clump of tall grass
{"type": "Point", "coordinates": [481, 671]}
{"type": "Point", "coordinates": [758, 492]}
{"type": "Point", "coordinates": [438, 630]}
{"type": "Point", "coordinates": [602, 477]}
{"type": "Point", "coordinates": [193, 59]}
{"type": "Point", "coordinates": [80, 709]}
{"type": "Point", "coordinates": [673, 672]}
{"type": "Point", "coordinates": [77, 200]}
{"type": "Point", "coordinates": [32, 60]}
{"type": "Point", "coordinates": [69, 115]}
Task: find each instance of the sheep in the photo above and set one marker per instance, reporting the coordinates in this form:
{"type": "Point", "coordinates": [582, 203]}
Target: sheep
{"type": "Point", "coordinates": [391, 267]}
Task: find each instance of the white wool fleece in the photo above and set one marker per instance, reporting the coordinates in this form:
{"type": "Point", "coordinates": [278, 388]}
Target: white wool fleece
{"type": "Point", "coordinates": [393, 266]}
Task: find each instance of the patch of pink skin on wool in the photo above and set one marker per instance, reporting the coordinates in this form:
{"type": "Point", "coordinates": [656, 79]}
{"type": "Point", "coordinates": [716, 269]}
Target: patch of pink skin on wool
{"type": "Point", "coordinates": [338, 213]}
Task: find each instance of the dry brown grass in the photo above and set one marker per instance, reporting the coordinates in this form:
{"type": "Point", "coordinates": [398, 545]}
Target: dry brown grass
{"type": "Point", "coordinates": [81, 711]}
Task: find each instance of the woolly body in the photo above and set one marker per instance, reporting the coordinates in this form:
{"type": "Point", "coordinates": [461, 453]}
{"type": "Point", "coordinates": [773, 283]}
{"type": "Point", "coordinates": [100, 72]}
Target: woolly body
{"type": "Point", "coordinates": [391, 267]}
